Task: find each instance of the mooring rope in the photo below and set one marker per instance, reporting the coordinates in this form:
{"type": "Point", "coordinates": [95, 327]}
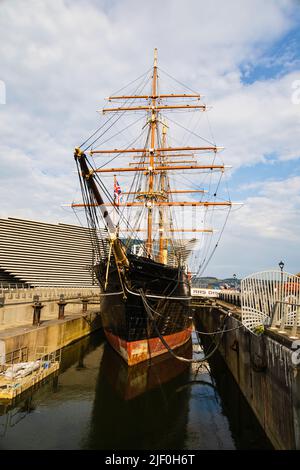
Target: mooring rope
{"type": "Point", "coordinates": [164, 342]}
{"type": "Point", "coordinates": [212, 333]}
{"type": "Point", "coordinates": [104, 294]}
{"type": "Point", "coordinates": [154, 296]}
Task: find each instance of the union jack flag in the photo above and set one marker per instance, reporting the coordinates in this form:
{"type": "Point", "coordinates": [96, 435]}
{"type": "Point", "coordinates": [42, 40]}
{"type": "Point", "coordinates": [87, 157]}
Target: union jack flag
{"type": "Point", "coordinates": [117, 192]}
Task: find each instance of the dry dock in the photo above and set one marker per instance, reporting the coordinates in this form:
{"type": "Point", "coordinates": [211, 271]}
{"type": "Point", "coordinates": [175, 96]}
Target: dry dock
{"type": "Point", "coordinates": [262, 367]}
{"type": "Point", "coordinates": [37, 322]}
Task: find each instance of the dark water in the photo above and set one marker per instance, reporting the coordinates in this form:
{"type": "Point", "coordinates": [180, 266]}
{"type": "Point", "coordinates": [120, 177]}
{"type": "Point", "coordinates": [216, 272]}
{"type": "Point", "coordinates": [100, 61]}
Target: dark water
{"type": "Point", "coordinates": [96, 402]}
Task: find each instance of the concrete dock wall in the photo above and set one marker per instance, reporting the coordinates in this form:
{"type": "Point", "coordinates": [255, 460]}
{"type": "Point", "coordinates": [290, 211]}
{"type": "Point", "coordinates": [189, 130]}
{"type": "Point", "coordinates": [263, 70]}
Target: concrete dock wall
{"type": "Point", "coordinates": [51, 335]}
{"type": "Point", "coordinates": [17, 332]}
{"type": "Point", "coordinates": [263, 368]}
{"type": "Point", "coordinates": [16, 305]}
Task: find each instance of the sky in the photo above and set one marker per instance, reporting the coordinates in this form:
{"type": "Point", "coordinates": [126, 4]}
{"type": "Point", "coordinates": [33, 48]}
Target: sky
{"type": "Point", "coordinates": [60, 58]}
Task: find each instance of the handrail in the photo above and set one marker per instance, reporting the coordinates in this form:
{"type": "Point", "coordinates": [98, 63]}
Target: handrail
{"type": "Point", "coordinates": [286, 318]}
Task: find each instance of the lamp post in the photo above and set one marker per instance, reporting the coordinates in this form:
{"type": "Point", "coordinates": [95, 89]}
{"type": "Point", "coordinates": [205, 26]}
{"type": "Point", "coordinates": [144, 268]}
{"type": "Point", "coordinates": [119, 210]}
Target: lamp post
{"type": "Point", "coordinates": [281, 265]}
{"type": "Point", "coordinates": [234, 277]}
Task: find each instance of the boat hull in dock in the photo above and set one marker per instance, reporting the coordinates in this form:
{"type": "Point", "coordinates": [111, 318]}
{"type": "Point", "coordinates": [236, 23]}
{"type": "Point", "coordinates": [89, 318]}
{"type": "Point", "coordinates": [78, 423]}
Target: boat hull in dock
{"type": "Point", "coordinates": [134, 352]}
{"type": "Point", "coordinates": [127, 324]}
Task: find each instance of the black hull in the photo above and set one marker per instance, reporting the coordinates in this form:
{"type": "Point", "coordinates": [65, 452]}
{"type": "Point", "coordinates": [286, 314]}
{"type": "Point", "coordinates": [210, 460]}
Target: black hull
{"type": "Point", "coordinates": [127, 319]}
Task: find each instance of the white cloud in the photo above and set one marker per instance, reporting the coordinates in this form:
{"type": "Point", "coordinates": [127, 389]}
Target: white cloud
{"type": "Point", "coordinates": [60, 58]}
{"type": "Point", "coordinates": [258, 120]}
{"type": "Point", "coordinates": [274, 213]}
{"type": "Point", "coordinates": [264, 231]}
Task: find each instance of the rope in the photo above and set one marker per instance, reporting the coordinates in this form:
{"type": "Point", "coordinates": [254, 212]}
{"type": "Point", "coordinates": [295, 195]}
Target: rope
{"type": "Point", "coordinates": [213, 333]}
{"type": "Point", "coordinates": [164, 342]}
{"type": "Point", "coordinates": [112, 115]}
{"type": "Point", "coordinates": [111, 293]}
{"type": "Point", "coordinates": [191, 132]}
{"type": "Point", "coordinates": [153, 296]}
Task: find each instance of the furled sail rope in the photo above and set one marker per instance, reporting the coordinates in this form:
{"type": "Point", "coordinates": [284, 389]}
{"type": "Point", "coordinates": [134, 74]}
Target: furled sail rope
{"type": "Point", "coordinates": [164, 342]}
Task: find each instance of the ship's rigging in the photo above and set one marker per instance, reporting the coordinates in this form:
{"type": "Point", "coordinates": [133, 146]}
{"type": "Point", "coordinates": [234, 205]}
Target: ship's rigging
{"type": "Point", "coordinates": [140, 261]}
{"type": "Point", "coordinates": [146, 220]}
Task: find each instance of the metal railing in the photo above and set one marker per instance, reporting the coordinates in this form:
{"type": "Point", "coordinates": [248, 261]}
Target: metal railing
{"type": "Point", "coordinates": [286, 318]}
{"type": "Point", "coordinates": [8, 287]}
{"type": "Point", "coordinates": [18, 355]}
{"type": "Point", "coordinates": [233, 298]}
{"type": "Point", "coordinates": [37, 305]}
{"type": "Point", "coordinates": [17, 374]}
{"type": "Point", "coordinates": [270, 298]}
{"type": "Point", "coordinates": [22, 290]}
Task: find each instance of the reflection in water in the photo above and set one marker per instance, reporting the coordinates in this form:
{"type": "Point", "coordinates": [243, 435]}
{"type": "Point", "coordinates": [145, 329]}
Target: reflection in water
{"type": "Point", "coordinates": [97, 402]}
{"type": "Point", "coordinates": [144, 411]}
{"type": "Point", "coordinates": [130, 382]}
{"type": "Point", "coordinates": [244, 426]}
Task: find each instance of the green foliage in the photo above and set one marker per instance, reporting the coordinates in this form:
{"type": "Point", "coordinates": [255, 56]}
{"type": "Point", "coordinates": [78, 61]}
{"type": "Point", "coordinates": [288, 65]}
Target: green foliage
{"type": "Point", "coordinates": [259, 329]}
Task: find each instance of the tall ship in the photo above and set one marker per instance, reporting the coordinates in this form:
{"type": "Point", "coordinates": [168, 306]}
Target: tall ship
{"type": "Point", "coordinates": [140, 253]}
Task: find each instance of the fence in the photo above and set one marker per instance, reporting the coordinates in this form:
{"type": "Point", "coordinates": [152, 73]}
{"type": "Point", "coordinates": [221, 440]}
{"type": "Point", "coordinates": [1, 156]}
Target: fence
{"type": "Point", "coordinates": [271, 298]}
{"type": "Point", "coordinates": [22, 306]}
{"type": "Point", "coordinates": [17, 375]}
{"type": "Point", "coordinates": [231, 297]}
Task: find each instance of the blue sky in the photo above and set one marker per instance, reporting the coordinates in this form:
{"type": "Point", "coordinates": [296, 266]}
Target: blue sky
{"type": "Point", "coordinates": [279, 58]}
{"type": "Point", "coordinates": [60, 58]}
{"type": "Point", "coordinates": [258, 173]}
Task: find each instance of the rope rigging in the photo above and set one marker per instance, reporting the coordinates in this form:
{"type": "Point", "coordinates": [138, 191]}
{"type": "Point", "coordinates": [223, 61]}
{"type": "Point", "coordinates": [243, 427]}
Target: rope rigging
{"type": "Point", "coordinates": [117, 262]}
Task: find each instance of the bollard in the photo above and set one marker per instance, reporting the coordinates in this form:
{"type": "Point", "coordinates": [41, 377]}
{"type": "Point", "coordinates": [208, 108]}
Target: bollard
{"type": "Point", "coordinates": [283, 322]}
{"type": "Point", "coordinates": [84, 305]}
{"type": "Point", "coordinates": [274, 315]}
{"type": "Point", "coordinates": [295, 324]}
{"type": "Point", "coordinates": [37, 307]}
{"type": "Point", "coordinates": [61, 307]}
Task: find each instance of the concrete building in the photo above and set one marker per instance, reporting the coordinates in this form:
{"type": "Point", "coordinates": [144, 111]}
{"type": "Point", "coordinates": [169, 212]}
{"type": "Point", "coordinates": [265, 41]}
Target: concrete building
{"type": "Point", "coordinates": [40, 254]}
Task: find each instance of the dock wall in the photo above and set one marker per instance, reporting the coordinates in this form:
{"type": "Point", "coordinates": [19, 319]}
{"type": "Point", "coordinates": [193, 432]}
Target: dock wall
{"type": "Point", "coordinates": [21, 338]}
{"type": "Point", "coordinates": [263, 368]}
{"type": "Point", "coordinates": [52, 335]}
{"type": "Point", "coordinates": [16, 305]}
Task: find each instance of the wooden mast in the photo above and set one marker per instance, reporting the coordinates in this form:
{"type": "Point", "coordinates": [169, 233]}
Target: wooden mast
{"type": "Point", "coordinates": [153, 124]}
{"type": "Point", "coordinates": [155, 161]}
{"type": "Point", "coordinates": [162, 242]}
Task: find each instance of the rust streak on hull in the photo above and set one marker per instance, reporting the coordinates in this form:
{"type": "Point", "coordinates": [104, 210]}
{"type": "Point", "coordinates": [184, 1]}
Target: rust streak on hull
{"type": "Point", "coordinates": [134, 352]}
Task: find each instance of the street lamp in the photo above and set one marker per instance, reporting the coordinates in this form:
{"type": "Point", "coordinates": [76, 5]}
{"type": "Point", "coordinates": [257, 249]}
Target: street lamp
{"type": "Point", "coordinates": [234, 277]}
{"type": "Point", "coordinates": [281, 265]}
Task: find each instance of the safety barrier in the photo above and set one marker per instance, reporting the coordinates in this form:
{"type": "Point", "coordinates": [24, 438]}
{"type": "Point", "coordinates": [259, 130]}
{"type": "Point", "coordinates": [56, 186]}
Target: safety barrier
{"type": "Point", "coordinates": [271, 298]}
